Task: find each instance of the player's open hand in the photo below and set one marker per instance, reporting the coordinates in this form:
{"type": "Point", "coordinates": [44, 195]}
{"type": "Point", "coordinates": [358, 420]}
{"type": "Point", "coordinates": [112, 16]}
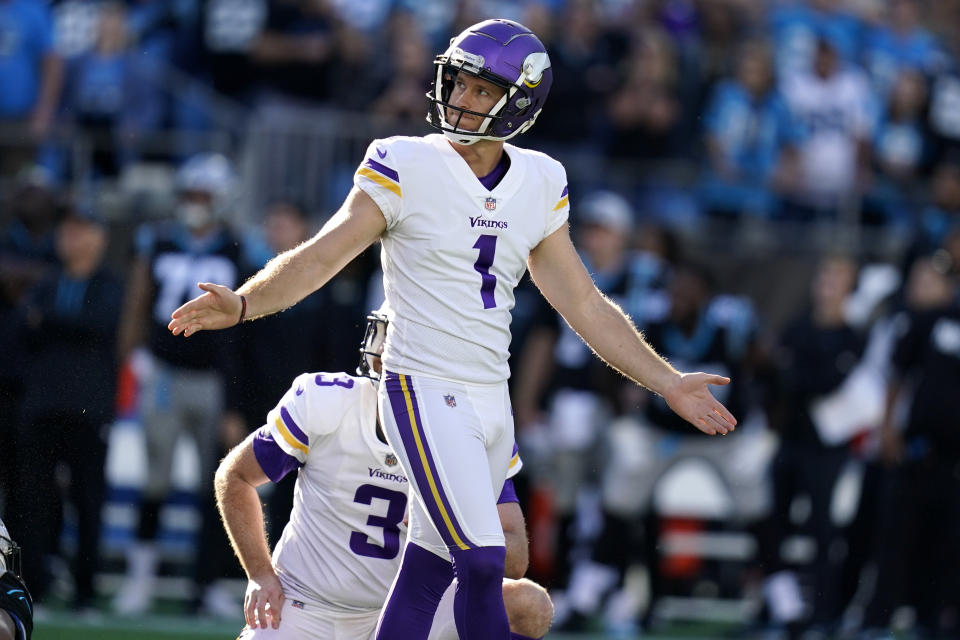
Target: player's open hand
{"type": "Point", "coordinates": [218, 308]}
{"type": "Point", "coordinates": [691, 399]}
{"type": "Point", "coordinates": [263, 602]}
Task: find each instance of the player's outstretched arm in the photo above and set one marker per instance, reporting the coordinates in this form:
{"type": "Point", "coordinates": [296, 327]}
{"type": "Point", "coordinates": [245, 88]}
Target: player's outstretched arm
{"type": "Point", "coordinates": [565, 283]}
{"type": "Point", "coordinates": [236, 484]}
{"type": "Point", "coordinates": [290, 276]}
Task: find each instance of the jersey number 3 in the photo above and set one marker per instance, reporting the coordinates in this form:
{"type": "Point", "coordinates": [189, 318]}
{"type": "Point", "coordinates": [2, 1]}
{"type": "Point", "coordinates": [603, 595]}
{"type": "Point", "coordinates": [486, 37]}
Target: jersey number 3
{"type": "Point", "coordinates": [390, 523]}
{"type": "Point", "coordinates": [487, 244]}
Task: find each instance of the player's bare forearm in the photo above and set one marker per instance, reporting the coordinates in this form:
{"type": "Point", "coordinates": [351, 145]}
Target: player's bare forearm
{"type": "Point", "coordinates": [239, 504]}
{"type": "Point", "coordinates": [565, 283]}
{"type": "Point", "coordinates": [613, 337]}
{"type": "Point", "coordinates": [515, 536]}
{"type": "Point", "coordinates": [289, 277]}
{"type": "Point", "coordinates": [559, 273]}
{"type": "Point", "coordinates": [295, 274]}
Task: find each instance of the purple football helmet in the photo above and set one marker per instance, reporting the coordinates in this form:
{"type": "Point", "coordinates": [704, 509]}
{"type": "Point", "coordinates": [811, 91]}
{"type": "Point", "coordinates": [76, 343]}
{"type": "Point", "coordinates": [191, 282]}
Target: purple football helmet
{"type": "Point", "coordinates": [510, 56]}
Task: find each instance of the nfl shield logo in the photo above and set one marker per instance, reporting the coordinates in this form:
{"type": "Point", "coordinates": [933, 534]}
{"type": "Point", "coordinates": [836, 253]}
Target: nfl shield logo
{"type": "Point", "coordinates": [451, 401]}
{"type": "Point", "coordinates": [490, 204]}
{"type": "Point", "coordinates": [390, 460]}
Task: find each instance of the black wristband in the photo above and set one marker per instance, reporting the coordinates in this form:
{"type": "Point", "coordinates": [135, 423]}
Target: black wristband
{"type": "Point", "coordinates": [243, 309]}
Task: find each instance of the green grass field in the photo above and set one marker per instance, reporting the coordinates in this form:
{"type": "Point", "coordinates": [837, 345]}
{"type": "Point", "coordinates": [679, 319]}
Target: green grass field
{"type": "Point", "coordinates": [64, 626]}
{"type": "Point", "coordinates": [147, 628]}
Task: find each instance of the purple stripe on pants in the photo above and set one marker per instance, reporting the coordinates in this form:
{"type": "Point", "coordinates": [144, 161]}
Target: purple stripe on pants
{"type": "Point", "coordinates": [398, 405]}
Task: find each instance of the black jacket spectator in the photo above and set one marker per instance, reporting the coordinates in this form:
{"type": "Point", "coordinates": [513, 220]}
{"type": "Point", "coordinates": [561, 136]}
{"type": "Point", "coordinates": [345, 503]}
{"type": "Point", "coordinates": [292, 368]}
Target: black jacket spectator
{"type": "Point", "coordinates": [71, 339]}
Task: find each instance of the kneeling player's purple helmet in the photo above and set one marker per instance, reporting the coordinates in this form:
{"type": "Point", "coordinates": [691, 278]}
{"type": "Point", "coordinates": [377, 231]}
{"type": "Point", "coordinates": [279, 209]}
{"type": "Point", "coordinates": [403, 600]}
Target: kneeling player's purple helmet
{"type": "Point", "coordinates": [505, 53]}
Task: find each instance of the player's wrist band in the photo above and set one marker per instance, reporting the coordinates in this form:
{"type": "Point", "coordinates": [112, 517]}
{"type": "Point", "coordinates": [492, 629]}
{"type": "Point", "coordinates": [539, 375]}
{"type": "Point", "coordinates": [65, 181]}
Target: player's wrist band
{"type": "Point", "coordinates": [243, 308]}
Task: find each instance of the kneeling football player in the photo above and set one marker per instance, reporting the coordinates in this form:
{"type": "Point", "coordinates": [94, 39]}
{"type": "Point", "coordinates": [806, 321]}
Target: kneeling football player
{"type": "Point", "coordinates": [334, 564]}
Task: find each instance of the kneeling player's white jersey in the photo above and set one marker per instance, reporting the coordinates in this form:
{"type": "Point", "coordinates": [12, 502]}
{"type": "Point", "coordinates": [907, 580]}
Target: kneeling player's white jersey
{"type": "Point", "coordinates": [454, 251]}
{"type": "Point", "coordinates": [341, 548]}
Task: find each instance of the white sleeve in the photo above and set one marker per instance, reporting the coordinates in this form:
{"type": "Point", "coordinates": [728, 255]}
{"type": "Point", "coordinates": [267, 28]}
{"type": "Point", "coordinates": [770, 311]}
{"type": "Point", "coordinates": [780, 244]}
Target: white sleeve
{"type": "Point", "coordinates": [559, 211]}
{"type": "Point", "coordinates": [312, 407]}
{"type": "Point", "coordinates": [379, 177]}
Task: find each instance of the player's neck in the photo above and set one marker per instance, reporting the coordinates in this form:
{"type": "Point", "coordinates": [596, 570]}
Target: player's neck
{"type": "Point", "coordinates": [482, 156]}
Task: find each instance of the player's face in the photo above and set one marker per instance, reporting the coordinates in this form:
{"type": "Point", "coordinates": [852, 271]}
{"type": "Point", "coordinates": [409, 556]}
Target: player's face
{"type": "Point", "coordinates": [472, 94]}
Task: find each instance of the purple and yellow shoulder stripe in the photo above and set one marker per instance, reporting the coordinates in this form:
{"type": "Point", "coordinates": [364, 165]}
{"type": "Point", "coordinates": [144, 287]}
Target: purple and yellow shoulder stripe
{"type": "Point", "coordinates": [564, 200]}
{"type": "Point", "coordinates": [381, 174]}
{"type": "Point", "coordinates": [291, 433]}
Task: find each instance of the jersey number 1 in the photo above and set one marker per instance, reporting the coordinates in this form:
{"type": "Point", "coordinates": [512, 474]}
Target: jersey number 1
{"type": "Point", "coordinates": [487, 244]}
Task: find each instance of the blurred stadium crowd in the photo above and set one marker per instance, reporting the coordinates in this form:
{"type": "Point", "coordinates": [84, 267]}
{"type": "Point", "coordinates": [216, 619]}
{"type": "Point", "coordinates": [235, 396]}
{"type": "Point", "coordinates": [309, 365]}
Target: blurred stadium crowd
{"type": "Point", "coordinates": [770, 188]}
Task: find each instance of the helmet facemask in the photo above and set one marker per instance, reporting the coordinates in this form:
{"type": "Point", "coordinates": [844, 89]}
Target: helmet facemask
{"type": "Point", "coordinates": [372, 346]}
{"type": "Point", "coordinates": [447, 73]}
{"type": "Point", "coordinates": [9, 553]}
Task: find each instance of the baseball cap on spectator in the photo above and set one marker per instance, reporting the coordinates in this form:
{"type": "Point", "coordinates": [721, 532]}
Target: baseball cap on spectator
{"type": "Point", "coordinates": [605, 209]}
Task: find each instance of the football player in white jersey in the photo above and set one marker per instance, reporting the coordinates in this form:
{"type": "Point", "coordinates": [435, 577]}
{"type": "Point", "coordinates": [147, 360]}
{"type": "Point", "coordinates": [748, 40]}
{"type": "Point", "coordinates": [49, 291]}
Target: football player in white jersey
{"type": "Point", "coordinates": [461, 216]}
{"type": "Point", "coordinates": [334, 563]}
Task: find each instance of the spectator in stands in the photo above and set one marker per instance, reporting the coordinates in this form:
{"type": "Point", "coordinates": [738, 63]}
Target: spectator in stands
{"type": "Point", "coordinates": [815, 355]}
{"type": "Point", "coordinates": [294, 51]}
{"type": "Point", "coordinates": [402, 98]}
{"type": "Point", "coordinates": [435, 18]}
{"type": "Point", "coordinates": [31, 76]}
{"type": "Point", "coordinates": [796, 26]}
{"type": "Point", "coordinates": [274, 352]}
{"type": "Point", "coordinates": [944, 116]}
{"type": "Point", "coordinates": [558, 371]}
{"type": "Point", "coordinates": [942, 216]}
{"type": "Point", "coordinates": [583, 56]}
{"type": "Point", "coordinates": [644, 110]}
{"type": "Point", "coordinates": [919, 560]}
{"type": "Point", "coordinates": [229, 30]}
{"type": "Point", "coordinates": [105, 93]}
{"type": "Point", "coordinates": [70, 383]}
{"type": "Point", "coordinates": [27, 255]}
{"type": "Point", "coordinates": [899, 44]}
{"type": "Point", "coordinates": [654, 256]}
{"type": "Point", "coordinates": [901, 152]}
{"type": "Point", "coordinates": [833, 102]}
{"type": "Point", "coordinates": [183, 389]}
{"type": "Point", "coordinates": [355, 78]}
{"type": "Point", "coordinates": [721, 29]}
{"type": "Point", "coordinates": [751, 140]}
{"type": "Point", "coordinates": [699, 329]}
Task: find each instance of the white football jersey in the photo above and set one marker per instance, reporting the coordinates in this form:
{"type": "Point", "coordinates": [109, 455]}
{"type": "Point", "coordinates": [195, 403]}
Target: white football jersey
{"type": "Point", "coordinates": [342, 545]}
{"type": "Point", "coordinates": [836, 114]}
{"type": "Point", "coordinates": [454, 251]}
